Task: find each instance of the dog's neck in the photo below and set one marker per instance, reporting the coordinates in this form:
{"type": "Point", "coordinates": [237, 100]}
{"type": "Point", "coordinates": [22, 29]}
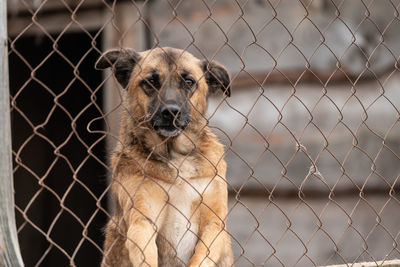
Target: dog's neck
{"type": "Point", "coordinates": [142, 150]}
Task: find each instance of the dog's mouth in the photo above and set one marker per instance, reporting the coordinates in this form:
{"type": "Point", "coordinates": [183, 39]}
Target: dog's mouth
{"type": "Point", "coordinates": [169, 130]}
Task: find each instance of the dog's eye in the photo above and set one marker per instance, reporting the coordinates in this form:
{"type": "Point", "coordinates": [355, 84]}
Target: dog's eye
{"type": "Point", "coordinates": [151, 82]}
{"type": "Point", "coordinates": [189, 83]}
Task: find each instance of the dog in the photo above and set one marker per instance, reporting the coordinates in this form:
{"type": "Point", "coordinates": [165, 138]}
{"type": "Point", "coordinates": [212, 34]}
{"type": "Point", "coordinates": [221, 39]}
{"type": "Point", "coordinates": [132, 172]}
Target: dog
{"type": "Point", "coordinates": [168, 167]}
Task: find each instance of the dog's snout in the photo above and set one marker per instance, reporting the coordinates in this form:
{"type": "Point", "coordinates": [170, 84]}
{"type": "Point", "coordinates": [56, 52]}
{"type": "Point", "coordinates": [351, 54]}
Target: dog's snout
{"type": "Point", "coordinates": [171, 118]}
{"type": "Point", "coordinates": [169, 111]}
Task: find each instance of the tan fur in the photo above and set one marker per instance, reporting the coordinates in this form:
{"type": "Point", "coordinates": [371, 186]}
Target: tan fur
{"type": "Point", "coordinates": [171, 193]}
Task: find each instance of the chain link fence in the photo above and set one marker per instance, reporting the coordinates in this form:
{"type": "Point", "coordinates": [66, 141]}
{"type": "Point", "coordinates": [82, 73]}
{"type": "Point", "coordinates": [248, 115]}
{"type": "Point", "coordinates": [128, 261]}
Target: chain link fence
{"type": "Point", "coordinates": [311, 130]}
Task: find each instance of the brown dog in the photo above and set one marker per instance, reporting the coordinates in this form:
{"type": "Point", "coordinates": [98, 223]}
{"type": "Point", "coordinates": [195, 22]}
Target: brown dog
{"type": "Point", "coordinates": [169, 172]}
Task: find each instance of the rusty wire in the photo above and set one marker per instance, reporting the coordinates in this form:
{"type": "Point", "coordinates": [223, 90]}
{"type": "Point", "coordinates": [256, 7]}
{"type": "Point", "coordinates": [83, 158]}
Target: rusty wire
{"type": "Point", "coordinates": [331, 209]}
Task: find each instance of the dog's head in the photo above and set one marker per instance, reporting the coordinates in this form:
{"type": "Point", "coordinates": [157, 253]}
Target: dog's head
{"type": "Point", "coordinates": [168, 87]}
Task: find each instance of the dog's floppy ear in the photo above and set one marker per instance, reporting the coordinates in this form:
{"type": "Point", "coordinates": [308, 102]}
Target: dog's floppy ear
{"type": "Point", "coordinates": [217, 77]}
{"type": "Point", "coordinates": [122, 62]}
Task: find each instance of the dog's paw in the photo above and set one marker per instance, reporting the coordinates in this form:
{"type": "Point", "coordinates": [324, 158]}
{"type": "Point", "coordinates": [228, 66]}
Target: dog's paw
{"type": "Point", "coordinates": [207, 262]}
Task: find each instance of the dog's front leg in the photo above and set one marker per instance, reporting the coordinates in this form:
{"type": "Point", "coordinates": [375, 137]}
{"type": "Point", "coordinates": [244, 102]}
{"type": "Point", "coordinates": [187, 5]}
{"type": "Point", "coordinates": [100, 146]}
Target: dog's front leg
{"type": "Point", "coordinates": [141, 242]}
{"type": "Point", "coordinates": [213, 245]}
{"type": "Point", "coordinates": [141, 218]}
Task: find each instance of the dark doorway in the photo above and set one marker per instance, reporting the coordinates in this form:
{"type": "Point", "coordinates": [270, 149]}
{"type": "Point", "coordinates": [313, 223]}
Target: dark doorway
{"type": "Point", "coordinates": [59, 150]}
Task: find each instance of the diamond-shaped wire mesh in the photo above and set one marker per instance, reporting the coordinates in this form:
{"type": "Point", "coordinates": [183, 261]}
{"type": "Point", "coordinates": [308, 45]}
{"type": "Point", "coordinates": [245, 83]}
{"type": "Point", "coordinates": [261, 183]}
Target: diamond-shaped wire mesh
{"type": "Point", "coordinates": [311, 131]}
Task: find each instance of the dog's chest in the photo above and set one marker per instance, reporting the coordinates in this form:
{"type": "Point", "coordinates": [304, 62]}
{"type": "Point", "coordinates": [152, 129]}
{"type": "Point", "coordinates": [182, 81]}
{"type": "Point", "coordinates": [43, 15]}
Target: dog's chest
{"type": "Point", "coordinates": [178, 233]}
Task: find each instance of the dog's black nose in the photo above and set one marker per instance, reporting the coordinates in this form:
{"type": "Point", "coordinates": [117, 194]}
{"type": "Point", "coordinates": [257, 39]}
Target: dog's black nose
{"type": "Point", "coordinates": [169, 112]}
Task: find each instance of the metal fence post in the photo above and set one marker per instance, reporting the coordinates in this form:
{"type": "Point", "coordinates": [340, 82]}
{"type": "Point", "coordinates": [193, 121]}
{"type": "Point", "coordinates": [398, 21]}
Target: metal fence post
{"type": "Point", "coordinates": [9, 248]}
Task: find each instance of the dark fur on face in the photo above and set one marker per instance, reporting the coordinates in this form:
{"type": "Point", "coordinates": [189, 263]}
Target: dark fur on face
{"type": "Point", "coordinates": [167, 83]}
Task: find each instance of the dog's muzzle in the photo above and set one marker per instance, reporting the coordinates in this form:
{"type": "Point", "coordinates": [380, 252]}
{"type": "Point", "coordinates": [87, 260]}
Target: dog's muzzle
{"type": "Point", "coordinates": [170, 120]}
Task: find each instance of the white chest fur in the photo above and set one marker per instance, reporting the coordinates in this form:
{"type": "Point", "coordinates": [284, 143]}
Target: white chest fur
{"type": "Point", "coordinates": [178, 233]}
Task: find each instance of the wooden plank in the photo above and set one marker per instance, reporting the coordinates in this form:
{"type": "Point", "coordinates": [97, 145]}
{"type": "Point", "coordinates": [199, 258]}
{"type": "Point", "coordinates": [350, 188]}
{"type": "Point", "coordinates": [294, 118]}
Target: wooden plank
{"type": "Point", "coordinates": [123, 30]}
{"type": "Point", "coordinates": [18, 7]}
{"type": "Point", "coordinates": [88, 19]}
{"type": "Point", "coordinates": [9, 248]}
{"type": "Point", "coordinates": [392, 263]}
{"type": "Point", "coordinates": [244, 80]}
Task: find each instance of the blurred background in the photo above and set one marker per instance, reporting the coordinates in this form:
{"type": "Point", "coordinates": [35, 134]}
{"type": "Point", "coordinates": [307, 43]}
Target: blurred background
{"type": "Point", "coordinates": [311, 130]}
